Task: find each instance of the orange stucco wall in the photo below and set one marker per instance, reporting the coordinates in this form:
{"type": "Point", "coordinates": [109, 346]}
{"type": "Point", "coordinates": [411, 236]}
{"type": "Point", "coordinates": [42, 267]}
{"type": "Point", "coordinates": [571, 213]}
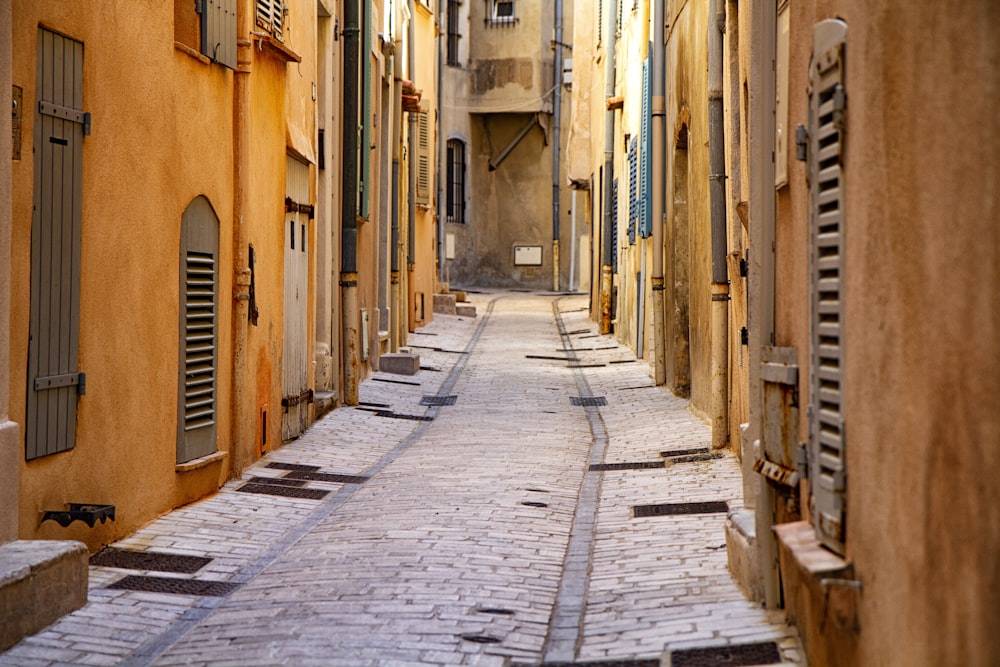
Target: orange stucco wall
{"type": "Point", "coordinates": [162, 135]}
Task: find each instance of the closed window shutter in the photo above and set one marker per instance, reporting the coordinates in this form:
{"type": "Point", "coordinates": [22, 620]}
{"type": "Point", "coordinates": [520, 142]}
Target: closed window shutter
{"type": "Point", "coordinates": [271, 17]}
{"type": "Point", "coordinates": [827, 101]}
{"type": "Point", "coordinates": [614, 225]}
{"type": "Point", "coordinates": [645, 152]}
{"type": "Point", "coordinates": [198, 332]}
{"type": "Point", "coordinates": [633, 188]}
{"type": "Point", "coordinates": [423, 194]}
{"type": "Point", "coordinates": [218, 31]}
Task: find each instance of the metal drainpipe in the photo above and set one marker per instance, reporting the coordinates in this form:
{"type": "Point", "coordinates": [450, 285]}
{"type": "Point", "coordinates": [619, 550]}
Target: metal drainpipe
{"type": "Point", "coordinates": [717, 198]}
{"type": "Point", "coordinates": [607, 254]}
{"type": "Point", "coordinates": [349, 203]}
{"type": "Point", "coordinates": [441, 145]}
{"type": "Point", "coordinates": [411, 149]}
{"type": "Point", "coordinates": [658, 184]}
{"type": "Point", "coordinates": [243, 395]}
{"type": "Point", "coordinates": [556, 126]}
{"type": "Point", "coordinates": [394, 249]}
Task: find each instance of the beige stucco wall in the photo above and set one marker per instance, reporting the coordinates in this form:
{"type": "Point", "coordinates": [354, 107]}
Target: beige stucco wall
{"type": "Point", "coordinates": [922, 361]}
{"type": "Point", "coordinates": [162, 135]}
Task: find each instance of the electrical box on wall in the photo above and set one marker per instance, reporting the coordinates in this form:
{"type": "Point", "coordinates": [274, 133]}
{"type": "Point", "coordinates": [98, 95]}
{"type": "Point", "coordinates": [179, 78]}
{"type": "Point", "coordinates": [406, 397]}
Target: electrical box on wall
{"type": "Point", "coordinates": [527, 255]}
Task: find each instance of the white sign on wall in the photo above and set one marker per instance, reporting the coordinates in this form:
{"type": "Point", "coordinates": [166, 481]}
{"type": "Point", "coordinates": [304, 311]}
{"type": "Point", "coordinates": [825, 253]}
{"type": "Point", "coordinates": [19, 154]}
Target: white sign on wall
{"type": "Point", "coordinates": [527, 255]}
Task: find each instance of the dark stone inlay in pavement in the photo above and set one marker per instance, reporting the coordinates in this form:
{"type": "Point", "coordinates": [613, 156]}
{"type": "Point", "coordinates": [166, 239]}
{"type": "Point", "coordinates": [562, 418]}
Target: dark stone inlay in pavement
{"type": "Point", "coordinates": [438, 349]}
{"type": "Point", "coordinates": [291, 466]}
{"type": "Point", "coordinates": [336, 478]}
{"type": "Point", "coordinates": [578, 331]}
{"type": "Point", "coordinates": [481, 639]}
{"type": "Point", "coordinates": [534, 490]}
{"type": "Point", "coordinates": [149, 560]}
{"type": "Point", "coordinates": [623, 361]}
{"type": "Point", "coordinates": [591, 336]}
{"type": "Point", "coordinates": [676, 509]}
{"type": "Point", "coordinates": [495, 610]}
{"type": "Point", "coordinates": [740, 655]}
{"type": "Point", "coordinates": [534, 503]}
{"type": "Point", "coordinates": [395, 415]}
{"type": "Point", "coordinates": [412, 384]}
{"type": "Point", "coordinates": [373, 405]}
{"type": "Point", "coordinates": [135, 582]}
{"type": "Point", "coordinates": [278, 481]}
{"type": "Point", "coordinates": [685, 452]}
{"type": "Point", "coordinates": [640, 465]}
{"type": "Point", "coordinates": [637, 662]}
{"type": "Point", "coordinates": [694, 458]}
{"type": "Point", "coordinates": [545, 357]}
{"type": "Point", "coordinates": [586, 365]}
{"type": "Point", "coordinates": [429, 368]}
{"type": "Point", "coordinates": [438, 401]}
{"type": "Point", "coordinates": [588, 401]}
{"type": "Point", "coordinates": [638, 386]}
{"type": "Point", "coordinates": [284, 491]}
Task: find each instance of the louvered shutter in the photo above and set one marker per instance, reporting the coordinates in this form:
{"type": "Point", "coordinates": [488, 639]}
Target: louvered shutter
{"type": "Point", "coordinates": [218, 31]}
{"type": "Point", "coordinates": [271, 17]}
{"type": "Point", "coordinates": [827, 101]}
{"type": "Point", "coordinates": [614, 225]}
{"type": "Point", "coordinates": [423, 166]}
{"type": "Point", "coordinates": [198, 331]}
{"type": "Point", "coordinates": [633, 188]}
{"type": "Point", "coordinates": [645, 221]}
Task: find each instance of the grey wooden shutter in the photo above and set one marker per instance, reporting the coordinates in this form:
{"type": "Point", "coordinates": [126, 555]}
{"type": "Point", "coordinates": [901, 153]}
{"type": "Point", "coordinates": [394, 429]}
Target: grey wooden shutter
{"type": "Point", "coordinates": [633, 188]}
{"type": "Point", "coordinates": [197, 396]}
{"type": "Point", "coordinates": [423, 165]}
{"type": "Point", "coordinates": [54, 381]}
{"type": "Point", "coordinates": [218, 31]}
{"type": "Point", "coordinates": [827, 101]}
{"type": "Point", "coordinates": [646, 151]}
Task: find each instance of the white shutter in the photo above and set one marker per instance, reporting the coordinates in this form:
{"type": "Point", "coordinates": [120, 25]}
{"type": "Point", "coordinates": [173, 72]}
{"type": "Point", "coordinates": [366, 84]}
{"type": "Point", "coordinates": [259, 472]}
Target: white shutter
{"type": "Point", "coordinates": [827, 101]}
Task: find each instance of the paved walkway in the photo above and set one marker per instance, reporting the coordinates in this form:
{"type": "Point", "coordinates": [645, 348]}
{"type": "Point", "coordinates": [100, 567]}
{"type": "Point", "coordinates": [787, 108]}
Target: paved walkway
{"type": "Point", "coordinates": [480, 537]}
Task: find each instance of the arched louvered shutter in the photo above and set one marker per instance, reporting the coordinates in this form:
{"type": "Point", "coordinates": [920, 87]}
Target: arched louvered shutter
{"type": "Point", "coordinates": [827, 103]}
{"type": "Point", "coordinates": [199, 331]}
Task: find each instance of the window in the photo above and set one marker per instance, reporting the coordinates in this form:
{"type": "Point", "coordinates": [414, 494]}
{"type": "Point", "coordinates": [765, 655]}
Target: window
{"type": "Point", "coordinates": [271, 17]}
{"type": "Point", "coordinates": [453, 32]}
{"type": "Point", "coordinates": [456, 182]}
{"type": "Point", "coordinates": [824, 163]}
{"type": "Point", "coordinates": [501, 12]}
{"type": "Point", "coordinates": [213, 33]}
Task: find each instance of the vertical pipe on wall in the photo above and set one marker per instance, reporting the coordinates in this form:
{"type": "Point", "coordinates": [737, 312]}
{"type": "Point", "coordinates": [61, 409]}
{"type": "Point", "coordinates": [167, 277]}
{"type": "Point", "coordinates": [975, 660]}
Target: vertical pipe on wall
{"type": "Point", "coordinates": [607, 247]}
{"type": "Point", "coordinates": [441, 145]}
{"type": "Point", "coordinates": [394, 249]}
{"type": "Point", "coordinates": [572, 242]}
{"type": "Point", "coordinates": [556, 126]}
{"type": "Point", "coordinates": [658, 183]}
{"type": "Point", "coordinates": [717, 207]}
{"type": "Point", "coordinates": [762, 88]}
{"type": "Point", "coordinates": [349, 202]}
{"type": "Point", "coordinates": [243, 395]}
{"type": "Point", "coordinates": [411, 145]}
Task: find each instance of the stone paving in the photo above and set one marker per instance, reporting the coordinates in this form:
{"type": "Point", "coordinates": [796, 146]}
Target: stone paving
{"type": "Point", "coordinates": [481, 536]}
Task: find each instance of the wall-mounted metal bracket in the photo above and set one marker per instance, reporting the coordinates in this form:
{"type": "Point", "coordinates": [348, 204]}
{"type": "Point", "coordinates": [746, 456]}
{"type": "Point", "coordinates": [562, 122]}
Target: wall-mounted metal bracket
{"type": "Point", "coordinates": [85, 512]}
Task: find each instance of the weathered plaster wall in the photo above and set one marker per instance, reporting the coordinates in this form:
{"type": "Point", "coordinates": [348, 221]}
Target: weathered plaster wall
{"type": "Point", "coordinates": [162, 135]}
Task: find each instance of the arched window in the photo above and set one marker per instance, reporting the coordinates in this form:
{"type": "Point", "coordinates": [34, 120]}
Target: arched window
{"type": "Point", "coordinates": [455, 198]}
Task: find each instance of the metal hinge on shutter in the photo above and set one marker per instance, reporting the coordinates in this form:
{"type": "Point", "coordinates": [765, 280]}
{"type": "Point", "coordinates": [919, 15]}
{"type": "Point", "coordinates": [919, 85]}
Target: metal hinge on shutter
{"type": "Point", "coordinates": [66, 113]}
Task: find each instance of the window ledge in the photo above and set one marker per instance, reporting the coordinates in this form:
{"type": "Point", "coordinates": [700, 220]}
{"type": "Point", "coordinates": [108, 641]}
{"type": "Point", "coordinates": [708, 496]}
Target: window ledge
{"type": "Point", "coordinates": [278, 48]}
{"type": "Point", "coordinates": [799, 538]}
{"type": "Point", "coordinates": [203, 462]}
{"type": "Point", "coordinates": [194, 53]}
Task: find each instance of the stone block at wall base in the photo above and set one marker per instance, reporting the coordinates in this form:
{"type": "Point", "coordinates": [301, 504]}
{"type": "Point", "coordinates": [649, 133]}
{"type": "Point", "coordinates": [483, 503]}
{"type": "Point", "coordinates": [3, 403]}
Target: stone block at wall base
{"type": "Point", "coordinates": [399, 363]}
{"type": "Point", "coordinates": [465, 310]}
{"type": "Point", "coordinates": [741, 548]}
{"type": "Point", "coordinates": [40, 581]}
{"type": "Point", "coordinates": [444, 304]}
{"type": "Point", "coordinates": [821, 597]}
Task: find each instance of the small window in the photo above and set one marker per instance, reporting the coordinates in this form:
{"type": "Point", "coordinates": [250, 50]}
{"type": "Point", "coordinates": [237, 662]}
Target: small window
{"type": "Point", "coordinates": [454, 34]}
{"type": "Point", "coordinates": [456, 182]}
{"type": "Point", "coordinates": [502, 13]}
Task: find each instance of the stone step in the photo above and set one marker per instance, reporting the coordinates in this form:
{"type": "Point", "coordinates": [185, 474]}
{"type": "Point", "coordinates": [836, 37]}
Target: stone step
{"type": "Point", "coordinates": [465, 310]}
{"type": "Point", "coordinates": [444, 304]}
{"type": "Point", "coordinates": [400, 363]}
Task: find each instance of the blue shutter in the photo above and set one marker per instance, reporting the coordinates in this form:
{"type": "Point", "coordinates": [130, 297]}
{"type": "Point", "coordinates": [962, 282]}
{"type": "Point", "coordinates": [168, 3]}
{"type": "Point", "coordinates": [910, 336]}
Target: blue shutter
{"type": "Point", "coordinates": [633, 188]}
{"type": "Point", "coordinates": [646, 153]}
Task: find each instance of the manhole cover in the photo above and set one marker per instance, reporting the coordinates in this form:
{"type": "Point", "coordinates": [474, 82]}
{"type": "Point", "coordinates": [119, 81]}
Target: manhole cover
{"type": "Point", "coordinates": [675, 509]}
{"type": "Point", "coordinates": [588, 401]}
{"type": "Point", "coordinates": [291, 466]}
{"type": "Point", "coordinates": [684, 452]}
{"type": "Point", "coordinates": [326, 477]}
{"type": "Point", "coordinates": [148, 560]}
{"type": "Point", "coordinates": [278, 481]}
{"type": "Point", "coordinates": [134, 582]}
{"type": "Point", "coordinates": [762, 653]}
{"type": "Point", "coordinates": [438, 400]}
{"type": "Point", "coordinates": [641, 465]}
{"type": "Point", "coordinates": [284, 491]}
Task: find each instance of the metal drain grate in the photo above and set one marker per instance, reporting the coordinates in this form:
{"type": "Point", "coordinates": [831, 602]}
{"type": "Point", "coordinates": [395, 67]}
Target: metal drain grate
{"type": "Point", "coordinates": [284, 491]}
{"type": "Point", "coordinates": [148, 560]}
{"type": "Point", "coordinates": [641, 465]}
{"type": "Point", "coordinates": [326, 477]}
{"type": "Point", "coordinates": [588, 401]}
{"type": "Point", "coordinates": [277, 481]}
{"type": "Point", "coordinates": [694, 458]}
{"type": "Point", "coordinates": [291, 466]}
{"type": "Point", "coordinates": [395, 415]}
{"type": "Point", "coordinates": [676, 509]}
{"type": "Point", "coordinates": [175, 586]}
{"type": "Point", "coordinates": [684, 452]}
{"type": "Point", "coordinates": [740, 655]}
{"type": "Point", "coordinates": [627, 662]}
{"type": "Point", "coordinates": [438, 400]}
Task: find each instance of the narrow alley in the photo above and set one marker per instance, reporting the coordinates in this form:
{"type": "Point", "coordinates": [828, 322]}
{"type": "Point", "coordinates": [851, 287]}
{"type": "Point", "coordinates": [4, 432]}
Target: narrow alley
{"type": "Point", "coordinates": [451, 518]}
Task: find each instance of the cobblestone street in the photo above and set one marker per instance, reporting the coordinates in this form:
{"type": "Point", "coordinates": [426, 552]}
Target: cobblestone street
{"type": "Point", "coordinates": [470, 514]}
